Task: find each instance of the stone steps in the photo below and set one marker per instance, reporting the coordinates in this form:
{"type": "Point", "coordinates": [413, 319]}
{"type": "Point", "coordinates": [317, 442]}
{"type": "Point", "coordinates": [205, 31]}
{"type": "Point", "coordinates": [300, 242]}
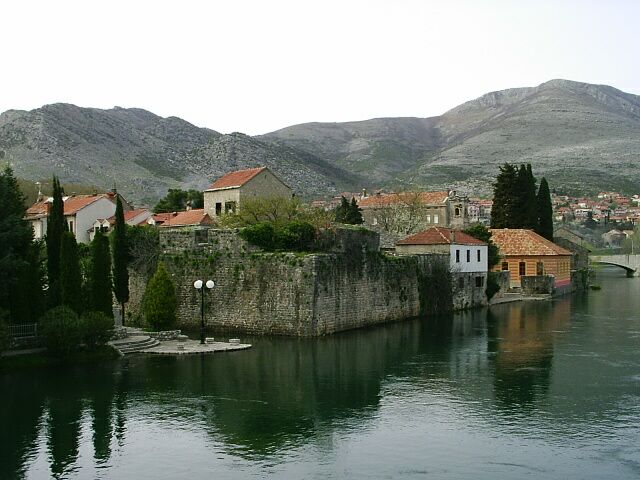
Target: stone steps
{"type": "Point", "coordinates": [134, 344]}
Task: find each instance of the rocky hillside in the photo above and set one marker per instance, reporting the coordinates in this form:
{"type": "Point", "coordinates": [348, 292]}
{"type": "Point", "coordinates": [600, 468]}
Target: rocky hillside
{"type": "Point", "coordinates": [581, 136]}
{"type": "Point", "coordinates": [143, 154]}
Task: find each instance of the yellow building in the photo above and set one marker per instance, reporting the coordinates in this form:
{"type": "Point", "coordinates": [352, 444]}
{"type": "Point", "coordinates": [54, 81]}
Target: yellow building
{"type": "Point", "coordinates": [525, 253]}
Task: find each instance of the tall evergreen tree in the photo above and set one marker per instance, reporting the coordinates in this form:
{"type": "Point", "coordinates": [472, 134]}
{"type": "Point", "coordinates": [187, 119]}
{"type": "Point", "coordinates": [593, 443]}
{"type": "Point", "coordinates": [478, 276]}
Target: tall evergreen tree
{"type": "Point", "coordinates": [505, 196]}
{"type": "Point", "coordinates": [27, 298]}
{"type": "Point", "coordinates": [525, 208]}
{"type": "Point", "coordinates": [55, 229]}
{"type": "Point", "coordinates": [70, 276]}
{"type": "Point", "coordinates": [342, 211]}
{"type": "Point", "coordinates": [545, 211]}
{"type": "Point", "coordinates": [15, 238]}
{"type": "Point", "coordinates": [120, 257]}
{"type": "Point", "coordinates": [160, 302]}
{"type": "Point", "coordinates": [100, 276]}
{"type": "Point", "coordinates": [354, 213]}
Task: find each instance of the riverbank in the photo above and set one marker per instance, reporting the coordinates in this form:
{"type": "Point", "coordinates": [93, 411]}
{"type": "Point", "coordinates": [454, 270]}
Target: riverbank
{"type": "Point", "coordinates": [39, 358]}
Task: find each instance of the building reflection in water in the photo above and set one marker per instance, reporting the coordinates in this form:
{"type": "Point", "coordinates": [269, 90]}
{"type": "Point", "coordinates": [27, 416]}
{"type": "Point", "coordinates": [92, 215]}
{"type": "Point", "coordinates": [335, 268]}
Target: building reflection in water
{"type": "Point", "coordinates": [264, 401]}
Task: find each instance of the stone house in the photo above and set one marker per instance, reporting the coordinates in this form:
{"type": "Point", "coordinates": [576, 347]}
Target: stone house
{"type": "Point", "coordinates": [227, 193]}
{"type": "Point", "coordinates": [139, 216]}
{"type": "Point", "coordinates": [409, 212]}
{"type": "Point", "coordinates": [189, 218]}
{"type": "Point", "coordinates": [468, 260]}
{"type": "Point", "coordinates": [526, 254]}
{"type": "Point", "coordinates": [80, 213]}
{"type": "Point", "coordinates": [576, 244]}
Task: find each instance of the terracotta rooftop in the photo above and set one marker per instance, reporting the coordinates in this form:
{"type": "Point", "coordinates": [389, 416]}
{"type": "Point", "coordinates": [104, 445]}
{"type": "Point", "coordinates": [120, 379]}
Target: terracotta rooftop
{"type": "Point", "coordinates": [129, 215]}
{"type": "Point", "coordinates": [440, 236]}
{"type": "Point", "coordinates": [189, 217]}
{"type": "Point", "coordinates": [522, 242]}
{"type": "Point", "coordinates": [235, 179]}
{"type": "Point", "coordinates": [72, 204]}
{"type": "Point", "coordinates": [384, 199]}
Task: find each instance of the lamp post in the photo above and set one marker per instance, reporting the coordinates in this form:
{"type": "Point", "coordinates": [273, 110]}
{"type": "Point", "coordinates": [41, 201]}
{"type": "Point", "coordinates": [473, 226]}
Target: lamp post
{"type": "Point", "coordinates": [199, 285]}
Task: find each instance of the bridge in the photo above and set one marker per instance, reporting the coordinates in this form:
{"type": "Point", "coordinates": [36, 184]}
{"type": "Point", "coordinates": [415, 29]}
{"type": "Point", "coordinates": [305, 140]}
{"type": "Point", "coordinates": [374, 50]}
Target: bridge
{"type": "Point", "coordinates": [630, 263]}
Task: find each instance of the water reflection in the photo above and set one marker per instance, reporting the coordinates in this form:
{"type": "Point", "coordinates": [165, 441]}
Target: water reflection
{"type": "Point", "coordinates": [284, 394]}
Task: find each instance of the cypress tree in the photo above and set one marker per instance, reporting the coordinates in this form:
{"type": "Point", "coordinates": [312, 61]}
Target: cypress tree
{"type": "Point", "coordinates": [160, 302]}
{"type": "Point", "coordinates": [545, 211]}
{"type": "Point", "coordinates": [16, 239]}
{"type": "Point", "coordinates": [27, 298]}
{"type": "Point", "coordinates": [505, 196]}
{"type": "Point", "coordinates": [100, 276]}
{"type": "Point", "coordinates": [120, 257]}
{"type": "Point", "coordinates": [525, 208]}
{"type": "Point", "coordinates": [354, 213]}
{"type": "Point", "coordinates": [342, 211]}
{"type": "Point", "coordinates": [70, 276]}
{"type": "Point", "coordinates": [55, 229]}
{"type": "Point", "coordinates": [532, 210]}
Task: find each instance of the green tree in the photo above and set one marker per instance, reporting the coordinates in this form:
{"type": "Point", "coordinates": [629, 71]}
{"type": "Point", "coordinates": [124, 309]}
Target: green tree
{"type": "Point", "coordinates": [120, 257]}
{"type": "Point", "coordinates": [70, 276]}
{"type": "Point", "coordinates": [55, 229]}
{"type": "Point", "coordinates": [27, 298]}
{"type": "Point", "coordinates": [15, 237]}
{"type": "Point", "coordinates": [483, 234]}
{"type": "Point", "coordinates": [545, 211]}
{"type": "Point", "coordinates": [526, 207]}
{"type": "Point", "coordinates": [177, 200]}
{"type": "Point", "coordinates": [160, 302]}
{"type": "Point", "coordinates": [101, 294]}
{"type": "Point", "coordinates": [342, 211]}
{"type": "Point", "coordinates": [354, 213]}
{"type": "Point", "coordinates": [505, 196]}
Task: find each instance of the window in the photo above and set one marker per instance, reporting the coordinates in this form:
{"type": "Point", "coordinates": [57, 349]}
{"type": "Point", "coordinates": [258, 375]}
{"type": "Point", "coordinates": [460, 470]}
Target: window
{"type": "Point", "coordinates": [230, 207]}
{"type": "Point", "coordinates": [218, 209]}
{"type": "Point", "coordinates": [435, 218]}
{"type": "Point", "coordinates": [428, 218]}
{"type": "Point", "coordinates": [522, 269]}
{"type": "Point", "coordinates": [505, 266]}
{"type": "Point", "coordinates": [457, 212]}
{"type": "Point", "coordinates": [478, 254]}
{"type": "Point", "coordinates": [479, 282]}
{"type": "Point", "coordinates": [375, 220]}
{"type": "Point", "coordinates": [71, 226]}
{"type": "Point", "coordinates": [461, 282]}
{"type": "Point", "coordinates": [457, 256]}
{"type": "Point", "coordinates": [539, 268]}
{"type": "Point", "coordinates": [468, 255]}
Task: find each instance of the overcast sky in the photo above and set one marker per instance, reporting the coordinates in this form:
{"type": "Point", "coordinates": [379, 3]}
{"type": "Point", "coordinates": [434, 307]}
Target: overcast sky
{"type": "Point", "coordinates": [256, 66]}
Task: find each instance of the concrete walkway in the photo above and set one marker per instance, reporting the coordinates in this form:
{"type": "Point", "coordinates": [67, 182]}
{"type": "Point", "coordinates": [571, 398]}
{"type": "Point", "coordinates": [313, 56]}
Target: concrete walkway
{"type": "Point", "coordinates": [191, 347]}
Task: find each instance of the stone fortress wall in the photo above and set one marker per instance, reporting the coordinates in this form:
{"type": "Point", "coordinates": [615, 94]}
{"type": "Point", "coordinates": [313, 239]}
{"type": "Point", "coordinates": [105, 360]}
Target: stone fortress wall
{"type": "Point", "coordinates": [310, 294]}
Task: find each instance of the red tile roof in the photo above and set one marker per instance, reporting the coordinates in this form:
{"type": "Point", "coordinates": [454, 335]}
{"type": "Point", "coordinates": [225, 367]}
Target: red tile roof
{"type": "Point", "coordinates": [129, 215]}
{"type": "Point", "coordinates": [384, 199]}
{"type": "Point", "coordinates": [189, 217]}
{"type": "Point", "coordinates": [522, 242]}
{"type": "Point", "coordinates": [440, 236]}
{"type": "Point", "coordinates": [235, 179]}
{"type": "Point", "coordinates": [72, 204]}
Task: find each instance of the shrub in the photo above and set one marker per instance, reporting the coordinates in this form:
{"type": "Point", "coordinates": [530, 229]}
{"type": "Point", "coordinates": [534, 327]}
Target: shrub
{"type": "Point", "coordinates": [61, 330]}
{"type": "Point", "coordinates": [5, 339]}
{"type": "Point", "coordinates": [261, 235]}
{"type": "Point", "coordinates": [160, 302]}
{"type": "Point", "coordinates": [493, 286]}
{"type": "Point", "coordinates": [98, 328]}
{"type": "Point", "coordinates": [296, 236]}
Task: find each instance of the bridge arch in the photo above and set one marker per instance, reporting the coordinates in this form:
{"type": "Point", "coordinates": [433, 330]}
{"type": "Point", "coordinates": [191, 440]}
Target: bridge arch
{"type": "Point", "coordinates": [630, 271]}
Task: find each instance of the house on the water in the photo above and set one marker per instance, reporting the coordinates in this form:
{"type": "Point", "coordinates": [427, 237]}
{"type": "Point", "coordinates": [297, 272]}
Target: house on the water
{"type": "Point", "coordinates": [226, 194]}
{"type": "Point", "coordinates": [526, 254]}
{"type": "Point", "coordinates": [467, 258]}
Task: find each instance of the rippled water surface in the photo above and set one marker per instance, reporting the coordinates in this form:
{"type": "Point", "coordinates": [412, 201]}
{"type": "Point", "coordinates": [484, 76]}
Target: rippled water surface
{"type": "Point", "coordinates": [538, 390]}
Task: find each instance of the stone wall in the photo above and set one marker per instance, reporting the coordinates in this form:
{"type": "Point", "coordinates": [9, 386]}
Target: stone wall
{"type": "Point", "coordinates": [294, 293]}
{"type": "Point", "coordinates": [537, 284]}
{"type": "Point", "coordinates": [469, 290]}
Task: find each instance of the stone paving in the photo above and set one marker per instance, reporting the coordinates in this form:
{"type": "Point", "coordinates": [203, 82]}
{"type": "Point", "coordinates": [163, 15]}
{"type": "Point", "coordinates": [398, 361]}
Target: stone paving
{"type": "Point", "coordinates": [191, 347]}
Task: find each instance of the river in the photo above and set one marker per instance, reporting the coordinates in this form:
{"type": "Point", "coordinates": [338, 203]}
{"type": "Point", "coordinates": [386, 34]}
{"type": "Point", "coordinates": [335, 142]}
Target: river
{"type": "Point", "coordinates": [547, 389]}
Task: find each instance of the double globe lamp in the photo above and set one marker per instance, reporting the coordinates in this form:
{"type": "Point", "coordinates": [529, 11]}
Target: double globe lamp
{"type": "Point", "coordinates": [199, 285]}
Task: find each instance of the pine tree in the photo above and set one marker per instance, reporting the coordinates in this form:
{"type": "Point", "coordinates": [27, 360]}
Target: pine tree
{"type": "Point", "coordinates": [27, 298]}
{"type": "Point", "coordinates": [15, 239]}
{"type": "Point", "coordinates": [342, 211]}
{"type": "Point", "coordinates": [532, 200]}
{"type": "Point", "coordinates": [100, 276]}
{"type": "Point", "coordinates": [120, 258]}
{"type": "Point", "coordinates": [354, 213]}
{"type": "Point", "coordinates": [525, 208]}
{"type": "Point", "coordinates": [160, 302]}
{"type": "Point", "coordinates": [505, 195]}
{"type": "Point", "coordinates": [55, 229]}
{"type": "Point", "coordinates": [545, 211]}
{"type": "Point", "coordinates": [70, 276]}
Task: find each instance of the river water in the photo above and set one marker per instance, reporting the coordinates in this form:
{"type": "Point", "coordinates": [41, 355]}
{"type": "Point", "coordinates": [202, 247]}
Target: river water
{"type": "Point", "coordinates": [537, 389]}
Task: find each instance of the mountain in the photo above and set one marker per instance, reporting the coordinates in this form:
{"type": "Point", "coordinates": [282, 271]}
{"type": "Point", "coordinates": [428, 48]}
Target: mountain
{"type": "Point", "coordinates": [143, 154]}
{"type": "Point", "coordinates": [583, 137]}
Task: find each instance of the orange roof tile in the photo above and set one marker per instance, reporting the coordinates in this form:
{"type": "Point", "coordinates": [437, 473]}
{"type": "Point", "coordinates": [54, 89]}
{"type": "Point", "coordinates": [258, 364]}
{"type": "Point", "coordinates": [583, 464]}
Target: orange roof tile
{"type": "Point", "coordinates": [384, 199]}
{"type": "Point", "coordinates": [235, 179]}
{"type": "Point", "coordinates": [189, 217]}
{"type": "Point", "coordinates": [440, 236]}
{"type": "Point", "coordinates": [72, 204]}
{"type": "Point", "coordinates": [522, 242]}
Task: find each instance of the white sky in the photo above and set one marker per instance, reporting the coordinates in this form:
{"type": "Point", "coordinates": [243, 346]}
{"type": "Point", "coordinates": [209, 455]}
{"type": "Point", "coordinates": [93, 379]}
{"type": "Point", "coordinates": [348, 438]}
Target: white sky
{"type": "Point", "coordinates": [256, 66]}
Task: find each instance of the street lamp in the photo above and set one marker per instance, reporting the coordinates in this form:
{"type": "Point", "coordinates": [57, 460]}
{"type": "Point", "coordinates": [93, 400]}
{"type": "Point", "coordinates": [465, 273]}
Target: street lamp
{"type": "Point", "coordinates": [199, 285]}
